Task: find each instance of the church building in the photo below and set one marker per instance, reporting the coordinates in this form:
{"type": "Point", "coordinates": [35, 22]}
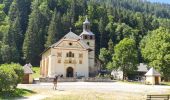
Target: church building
{"type": "Point", "coordinates": [71, 56]}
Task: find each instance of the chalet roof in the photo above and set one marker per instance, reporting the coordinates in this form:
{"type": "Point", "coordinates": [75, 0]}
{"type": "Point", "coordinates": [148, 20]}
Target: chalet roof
{"type": "Point", "coordinates": [27, 69]}
{"type": "Point", "coordinates": [152, 72]}
{"type": "Point", "coordinates": [142, 68]}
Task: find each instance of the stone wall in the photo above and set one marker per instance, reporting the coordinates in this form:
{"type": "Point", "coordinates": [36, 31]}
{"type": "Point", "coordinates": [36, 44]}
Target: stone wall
{"type": "Point", "coordinates": [59, 80]}
{"type": "Point", "coordinates": [76, 80]}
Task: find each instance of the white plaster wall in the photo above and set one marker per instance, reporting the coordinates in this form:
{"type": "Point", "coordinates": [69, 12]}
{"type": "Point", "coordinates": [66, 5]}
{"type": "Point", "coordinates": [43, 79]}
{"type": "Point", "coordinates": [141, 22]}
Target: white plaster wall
{"type": "Point", "coordinates": [30, 79]}
{"type": "Point", "coordinates": [83, 69]}
{"type": "Point", "coordinates": [91, 55]}
{"type": "Point", "coordinates": [150, 80]}
{"type": "Point", "coordinates": [60, 68]}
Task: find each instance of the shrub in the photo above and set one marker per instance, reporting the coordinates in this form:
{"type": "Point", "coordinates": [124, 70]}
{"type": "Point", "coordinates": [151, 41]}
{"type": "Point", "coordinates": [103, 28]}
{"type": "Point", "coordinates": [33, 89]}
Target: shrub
{"type": "Point", "coordinates": [18, 70]}
{"type": "Point", "coordinates": [10, 76]}
{"type": "Point", "coordinates": [7, 78]}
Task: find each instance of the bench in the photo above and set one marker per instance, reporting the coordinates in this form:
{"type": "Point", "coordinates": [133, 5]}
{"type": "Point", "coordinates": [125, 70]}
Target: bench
{"type": "Point", "coordinates": [158, 97]}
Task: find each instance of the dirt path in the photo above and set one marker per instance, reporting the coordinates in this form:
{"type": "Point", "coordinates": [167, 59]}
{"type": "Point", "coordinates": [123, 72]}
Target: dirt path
{"type": "Point", "coordinates": [82, 90]}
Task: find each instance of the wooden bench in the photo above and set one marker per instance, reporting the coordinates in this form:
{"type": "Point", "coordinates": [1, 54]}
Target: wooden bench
{"type": "Point", "coordinates": [158, 97]}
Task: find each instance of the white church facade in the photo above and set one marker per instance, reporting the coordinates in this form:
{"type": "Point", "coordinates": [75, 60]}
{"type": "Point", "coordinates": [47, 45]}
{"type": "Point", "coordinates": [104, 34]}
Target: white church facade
{"type": "Point", "coordinates": [71, 56]}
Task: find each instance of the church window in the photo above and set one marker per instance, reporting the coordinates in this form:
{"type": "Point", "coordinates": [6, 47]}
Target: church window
{"type": "Point", "coordinates": [85, 37]}
{"type": "Point", "coordinates": [80, 61]}
{"type": "Point", "coordinates": [59, 61]}
{"type": "Point", "coordinates": [67, 55]}
{"type": "Point", "coordinates": [70, 54]}
{"type": "Point", "coordinates": [88, 43]}
{"type": "Point", "coordinates": [80, 55]}
{"type": "Point", "coordinates": [91, 37]}
{"type": "Point", "coordinates": [59, 55]}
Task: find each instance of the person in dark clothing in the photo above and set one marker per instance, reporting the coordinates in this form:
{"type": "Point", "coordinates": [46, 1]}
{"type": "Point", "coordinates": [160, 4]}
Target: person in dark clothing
{"type": "Point", "coordinates": [55, 82]}
{"type": "Point", "coordinates": [61, 75]}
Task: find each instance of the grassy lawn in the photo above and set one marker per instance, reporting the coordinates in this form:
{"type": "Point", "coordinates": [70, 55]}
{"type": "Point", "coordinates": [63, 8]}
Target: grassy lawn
{"type": "Point", "coordinates": [165, 83]}
{"type": "Point", "coordinates": [135, 82]}
{"type": "Point", "coordinates": [36, 72]}
{"type": "Point", "coordinates": [132, 82]}
{"type": "Point", "coordinates": [15, 93]}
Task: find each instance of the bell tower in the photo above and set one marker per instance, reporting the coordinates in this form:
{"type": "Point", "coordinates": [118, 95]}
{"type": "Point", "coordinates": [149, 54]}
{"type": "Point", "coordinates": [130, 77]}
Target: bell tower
{"type": "Point", "coordinates": [89, 38]}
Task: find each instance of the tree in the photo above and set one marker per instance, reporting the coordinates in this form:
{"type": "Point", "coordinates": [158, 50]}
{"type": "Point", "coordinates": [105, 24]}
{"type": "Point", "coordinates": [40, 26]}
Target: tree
{"type": "Point", "coordinates": [7, 4]}
{"type": "Point", "coordinates": [103, 34]}
{"type": "Point", "coordinates": [4, 27]}
{"type": "Point", "coordinates": [53, 30]}
{"type": "Point", "coordinates": [111, 47]}
{"type": "Point", "coordinates": [33, 44]}
{"type": "Point", "coordinates": [9, 54]}
{"type": "Point", "coordinates": [124, 31]}
{"type": "Point", "coordinates": [104, 57]}
{"type": "Point", "coordinates": [155, 50]}
{"type": "Point", "coordinates": [125, 56]}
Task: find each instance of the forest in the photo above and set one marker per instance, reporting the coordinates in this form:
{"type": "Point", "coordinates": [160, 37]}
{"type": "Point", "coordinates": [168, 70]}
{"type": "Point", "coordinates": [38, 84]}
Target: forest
{"type": "Point", "coordinates": [138, 27]}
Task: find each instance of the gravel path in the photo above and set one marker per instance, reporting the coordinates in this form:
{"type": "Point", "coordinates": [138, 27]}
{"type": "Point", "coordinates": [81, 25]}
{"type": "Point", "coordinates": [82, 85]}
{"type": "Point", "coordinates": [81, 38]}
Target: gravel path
{"type": "Point", "coordinates": [45, 89]}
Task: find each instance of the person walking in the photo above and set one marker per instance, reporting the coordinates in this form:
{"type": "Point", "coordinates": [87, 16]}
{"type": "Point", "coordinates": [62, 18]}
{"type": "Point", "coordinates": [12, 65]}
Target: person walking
{"type": "Point", "coordinates": [55, 82]}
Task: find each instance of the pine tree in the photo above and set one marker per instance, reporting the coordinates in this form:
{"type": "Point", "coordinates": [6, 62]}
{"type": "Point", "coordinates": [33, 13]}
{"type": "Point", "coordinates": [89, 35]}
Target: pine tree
{"type": "Point", "coordinates": [32, 47]}
{"type": "Point", "coordinates": [52, 31]}
{"type": "Point", "coordinates": [103, 34]}
{"type": "Point", "coordinates": [18, 36]}
{"type": "Point", "coordinates": [14, 36]}
{"type": "Point", "coordinates": [7, 5]}
{"type": "Point", "coordinates": [24, 7]}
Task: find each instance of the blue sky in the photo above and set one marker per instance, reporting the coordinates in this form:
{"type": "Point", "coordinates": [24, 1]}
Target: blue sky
{"type": "Point", "coordinates": [161, 1]}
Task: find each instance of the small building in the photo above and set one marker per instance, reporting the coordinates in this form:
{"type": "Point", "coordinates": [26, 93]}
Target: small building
{"type": "Point", "coordinates": [138, 75]}
{"type": "Point", "coordinates": [117, 74]}
{"type": "Point", "coordinates": [142, 70]}
{"type": "Point", "coordinates": [153, 77]}
{"type": "Point", "coordinates": [27, 79]}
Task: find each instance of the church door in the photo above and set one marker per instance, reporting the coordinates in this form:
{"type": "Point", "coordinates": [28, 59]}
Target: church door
{"type": "Point", "coordinates": [69, 72]}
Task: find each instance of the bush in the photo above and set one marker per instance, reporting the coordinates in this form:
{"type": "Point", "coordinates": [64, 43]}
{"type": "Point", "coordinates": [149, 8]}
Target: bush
{"type": "Point", "coordinates": [104, 76]}
{"type": "Point", "coordinates": [10, 76]}
{"type": "Point", "coordinates": [7, 78]}
{"type": "Point", "coordinates": [18, 70]}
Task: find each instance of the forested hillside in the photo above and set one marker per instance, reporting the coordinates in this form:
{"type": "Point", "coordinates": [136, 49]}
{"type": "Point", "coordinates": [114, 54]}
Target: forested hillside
{"type": "Point", "coordinates": [27, 27]}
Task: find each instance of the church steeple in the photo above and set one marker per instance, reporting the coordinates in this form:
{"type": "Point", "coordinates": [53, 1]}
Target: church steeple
{"type": "Point", "coordinates": [87, 34]}
{"type": "Point", "coordinates": [86, 25]}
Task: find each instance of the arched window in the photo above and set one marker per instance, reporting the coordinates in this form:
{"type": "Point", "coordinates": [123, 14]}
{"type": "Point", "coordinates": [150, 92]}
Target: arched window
{"type": "Point", "coordinates": [67, 55]}
{"type": "Point", "coordinates": [70, 54]}
{"type": "Point", "coordinates": [85, 37]}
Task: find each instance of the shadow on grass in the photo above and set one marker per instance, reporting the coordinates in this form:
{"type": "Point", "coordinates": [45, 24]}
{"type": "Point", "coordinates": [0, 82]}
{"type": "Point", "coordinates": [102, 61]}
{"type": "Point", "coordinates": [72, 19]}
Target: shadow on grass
{"type": "Point", "coordinates": [17, 93]}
